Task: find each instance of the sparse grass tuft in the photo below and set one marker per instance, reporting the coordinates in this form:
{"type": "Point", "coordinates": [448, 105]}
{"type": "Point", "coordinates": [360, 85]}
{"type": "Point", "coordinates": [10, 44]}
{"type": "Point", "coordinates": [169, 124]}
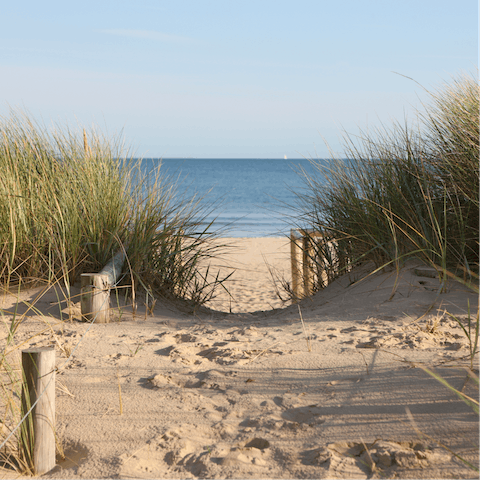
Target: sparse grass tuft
{"type": "Point", "coordinates": [471, 329]}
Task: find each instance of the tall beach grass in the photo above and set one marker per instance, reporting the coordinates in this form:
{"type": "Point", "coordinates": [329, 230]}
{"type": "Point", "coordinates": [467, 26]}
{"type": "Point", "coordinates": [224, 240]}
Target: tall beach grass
{"type": "Point", "coordinates": [407, 190]}
{"type": "Point", "coordinates": [70, 199]}
{"type": "Point", "coordinates": [410, 190]}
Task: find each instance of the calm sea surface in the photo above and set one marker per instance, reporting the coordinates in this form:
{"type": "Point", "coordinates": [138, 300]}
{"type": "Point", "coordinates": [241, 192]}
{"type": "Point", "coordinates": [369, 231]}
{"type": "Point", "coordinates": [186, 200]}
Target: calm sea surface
{"type": "Point", "coordinates": [253, 193]}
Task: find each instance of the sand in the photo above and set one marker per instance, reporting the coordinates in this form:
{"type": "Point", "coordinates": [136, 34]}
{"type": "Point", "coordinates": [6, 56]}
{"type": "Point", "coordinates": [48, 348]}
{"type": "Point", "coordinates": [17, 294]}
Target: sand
{"type": "Point", "coordinates": [255, 264]}
{"type": "Point", "coordinates": [254, 394]}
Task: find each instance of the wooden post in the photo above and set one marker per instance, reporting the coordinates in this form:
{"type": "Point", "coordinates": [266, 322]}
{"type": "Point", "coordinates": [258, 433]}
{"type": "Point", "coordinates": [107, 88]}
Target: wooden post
{"type": "Point", "coordinates": [307, 270]}
{"type": "Point", "coordinates": [95, 289]}
{"type": "Point", "coordinates": [95, 297]}
{"type": "Point", "coordinates": [294, 263]}
{"type": "Point", "coordinates": [37, 434]}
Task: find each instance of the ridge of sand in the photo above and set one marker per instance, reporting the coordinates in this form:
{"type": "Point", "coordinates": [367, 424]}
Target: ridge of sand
{"type": "Point", "coordinates": [254, 395]}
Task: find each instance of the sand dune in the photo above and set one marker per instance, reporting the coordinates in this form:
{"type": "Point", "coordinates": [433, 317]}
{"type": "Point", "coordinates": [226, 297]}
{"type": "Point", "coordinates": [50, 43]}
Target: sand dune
{"type": "Point", "coordinates": [252, 394]}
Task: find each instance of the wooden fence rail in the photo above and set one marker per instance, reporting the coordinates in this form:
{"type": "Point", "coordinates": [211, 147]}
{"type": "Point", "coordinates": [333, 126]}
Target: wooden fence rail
{"type": "Point", "coordinates": [321, 262]}
{"type": "Point", "coordinates": [302, 278]}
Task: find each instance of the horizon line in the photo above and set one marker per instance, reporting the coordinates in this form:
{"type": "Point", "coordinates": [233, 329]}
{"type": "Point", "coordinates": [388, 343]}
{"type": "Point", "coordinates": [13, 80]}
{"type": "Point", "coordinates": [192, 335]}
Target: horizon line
{"type": "Point", "coordinates": [229, 158]}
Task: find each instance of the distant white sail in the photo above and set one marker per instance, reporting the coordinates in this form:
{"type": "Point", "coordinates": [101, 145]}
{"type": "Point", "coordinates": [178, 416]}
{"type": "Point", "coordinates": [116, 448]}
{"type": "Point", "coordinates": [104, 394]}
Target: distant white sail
{"type": "Point", "coordinates": [285, 157]}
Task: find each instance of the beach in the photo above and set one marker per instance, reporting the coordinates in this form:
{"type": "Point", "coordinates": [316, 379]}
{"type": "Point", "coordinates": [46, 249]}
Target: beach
{"type": "Point", "coordinates": [256, 264]}
{"type": "Point", "coordinates": [331, 387]}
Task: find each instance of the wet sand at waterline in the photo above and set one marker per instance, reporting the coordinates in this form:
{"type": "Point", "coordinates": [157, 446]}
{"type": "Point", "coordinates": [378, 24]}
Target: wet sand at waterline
{"type": "Point", "coordinates": [254, 393]}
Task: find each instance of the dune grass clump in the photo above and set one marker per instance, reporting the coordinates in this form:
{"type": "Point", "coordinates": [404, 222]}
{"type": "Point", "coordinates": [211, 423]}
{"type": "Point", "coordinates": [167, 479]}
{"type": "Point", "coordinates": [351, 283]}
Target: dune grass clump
{"type": "Point", "coordinates": [405, 191]}
{"type": "Point", "coordinates": [69, 201]}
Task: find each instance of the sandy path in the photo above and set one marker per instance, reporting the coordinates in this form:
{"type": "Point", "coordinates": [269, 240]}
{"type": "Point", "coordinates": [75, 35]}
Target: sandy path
{"type": "Point", "coordinates": [252, 395]}
{"type": "Point", "coordinates": [251, 287]}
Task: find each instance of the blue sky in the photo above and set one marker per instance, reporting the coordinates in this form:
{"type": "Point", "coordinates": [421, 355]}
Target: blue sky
{"type": "Point", "coordinates": [231, 79]}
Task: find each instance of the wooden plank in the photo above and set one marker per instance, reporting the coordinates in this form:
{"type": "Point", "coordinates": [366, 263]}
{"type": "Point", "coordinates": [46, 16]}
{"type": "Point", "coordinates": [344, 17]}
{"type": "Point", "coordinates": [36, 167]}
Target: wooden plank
{"type": "Point", "coordinates": [114, 267]}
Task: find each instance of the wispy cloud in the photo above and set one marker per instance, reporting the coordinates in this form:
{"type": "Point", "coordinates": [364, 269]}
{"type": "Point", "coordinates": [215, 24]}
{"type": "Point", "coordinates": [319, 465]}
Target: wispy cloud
{"type": "Point", "coordinates": [148, 35]}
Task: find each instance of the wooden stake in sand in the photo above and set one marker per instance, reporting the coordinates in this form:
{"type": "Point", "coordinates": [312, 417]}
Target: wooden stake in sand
{"type": "Point", "coordinates": [294, 262]}
{"type": "Point", "coordinates": [307, 268]}
{"type": "Point", "coordinates": [302, 240]}
{"type": "Point", "coordinates": [37, 435]}
{"type": "Point", "coordinates": [95, 297]}
{"type": "Point", "coordinates": [95, 289]}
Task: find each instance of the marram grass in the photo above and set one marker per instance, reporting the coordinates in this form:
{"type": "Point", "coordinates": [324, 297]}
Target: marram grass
{"type": "Point", "coordinates": [407, 191]}
{"type": "Point", "coordinates": [404, 191]}
{"type": "Point", "coordinates": [69, 201]}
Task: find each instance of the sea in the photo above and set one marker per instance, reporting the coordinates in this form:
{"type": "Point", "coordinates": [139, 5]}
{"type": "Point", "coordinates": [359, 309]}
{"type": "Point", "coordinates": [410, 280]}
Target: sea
{"type": "Point", "coordinates": [252, 197]}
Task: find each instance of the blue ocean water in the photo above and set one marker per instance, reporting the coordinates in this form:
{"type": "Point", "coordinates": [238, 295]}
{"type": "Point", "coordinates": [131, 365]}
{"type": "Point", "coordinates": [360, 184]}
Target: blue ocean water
{"type": "Point", "coordinates": [253, 194]}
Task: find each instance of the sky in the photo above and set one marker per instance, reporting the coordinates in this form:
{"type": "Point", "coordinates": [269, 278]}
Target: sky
{"type": "Point", "coordinates": [231, 78]}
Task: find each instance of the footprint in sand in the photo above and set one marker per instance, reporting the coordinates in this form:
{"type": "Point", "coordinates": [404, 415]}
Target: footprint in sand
{"type": "Point", "coordinates": [161, 380]}
{"type": "Point", "coordinates": [219, 352]}
{"type": "Point", "coordinates": [285, 412]}
{"type": "Point", "coordinates": [310, 415]}
{"type": "Point", "coordinates": [185, 338]}
{"type": "Point", "coordinates": [269, 405]}
{"type": "Point", "coordinates": [211, 379]}
{"type": "Point", "coordinates": [74, 454]}
{"type": "Point", "coordinates": [359, 460]}
{"type": "Point", "coordinates": [254, 452]}
{"type": "Point", "coordinates": [172, 452]}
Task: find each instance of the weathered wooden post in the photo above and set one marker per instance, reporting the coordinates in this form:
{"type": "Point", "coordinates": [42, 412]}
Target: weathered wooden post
{"type": "Point", "coordinates": [95, 289]}
{"type": "Point", "coordinates": [294, 263]}
{"type": "Point", "coordinates": [95, 297]}
{"type": "Point", "coordinates": [37, 434]}
{"type": "Point", "coordinates": [307, 268]}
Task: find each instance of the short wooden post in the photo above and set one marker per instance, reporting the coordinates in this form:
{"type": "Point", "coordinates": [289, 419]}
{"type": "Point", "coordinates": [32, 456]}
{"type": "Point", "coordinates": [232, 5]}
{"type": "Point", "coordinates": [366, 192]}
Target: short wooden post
{"type": "Point", "coordinates": [294, 263]}
{"type": "Point", "coordinates": [37, 434]}
{"type": "Point", "coordinates": [95, 297]}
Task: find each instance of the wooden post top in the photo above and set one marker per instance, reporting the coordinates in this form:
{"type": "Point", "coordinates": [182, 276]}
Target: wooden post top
{"type": "Point", "coordinates": [38, 349]}
{"type": "Point", "coordinates": [305, 232]}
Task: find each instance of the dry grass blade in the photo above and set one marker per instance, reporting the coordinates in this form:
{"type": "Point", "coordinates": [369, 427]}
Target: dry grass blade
{"type": "Point", "coordinates": [263, 351]}
{"type": "Point", "coordinates": [424, 435]}
{"type": "Point", "coordinates": [307, 336]}
{"type": "Point", "coordinates": [465, 398]}
{"type": "Point", "coordinates": [120, 394]}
